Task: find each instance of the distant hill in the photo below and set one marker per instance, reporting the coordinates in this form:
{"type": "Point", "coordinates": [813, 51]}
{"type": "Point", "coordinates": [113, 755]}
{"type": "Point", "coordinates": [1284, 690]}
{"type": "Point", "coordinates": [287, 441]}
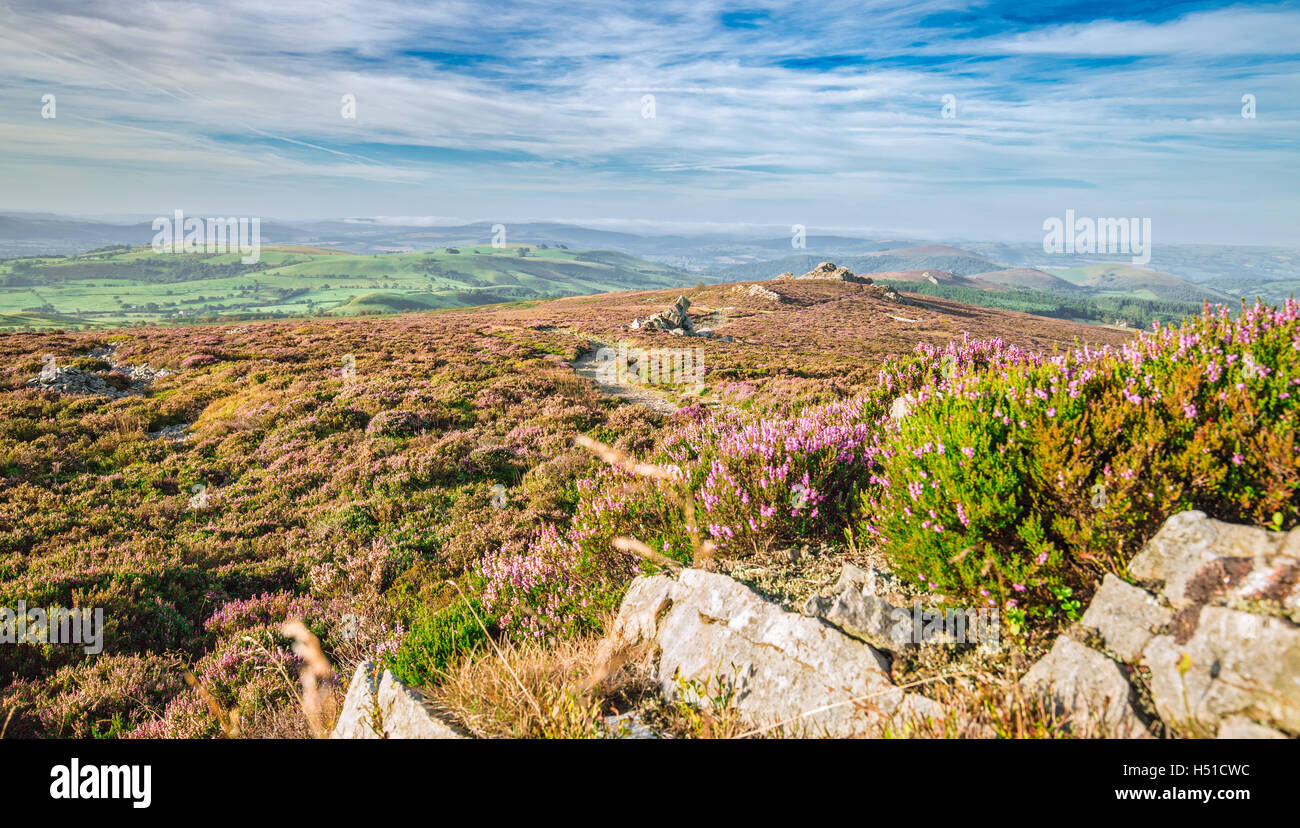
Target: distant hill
{"type": "Point", "coordinates": [133, 285]}
{"type": "Point", "coordinates": [1138, 283]}
{"type": "Point", "coordinates": [932, 257]}
{"type": "Point", "coordinates": [937, 277]}
{"type": "Point", "coordinates": [925, 257]}
{"type": "Point", "coordinates": [1028, 277]}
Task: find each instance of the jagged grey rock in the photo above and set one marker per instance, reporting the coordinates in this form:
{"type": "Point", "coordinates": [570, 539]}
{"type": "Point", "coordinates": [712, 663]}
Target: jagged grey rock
{"type": "Point", "coordinates": [357, 718]}
{"type": "Point", "coordinates": [1125, 616]}
{"type": "Point", "coordinates": [1086, 684]}
{"type": "Point", "coordinates": [852, 575]}
{"type": "Point", "coordinates": [644, 603]}
{"type": "Point", "coordinates": [784, 668]}
{"type": "Point", "coordinates": [1199, 560]}
{"type": "Point", "coordinates": [673, 320]}
{"type": "Point", "coordinates": [391, 711]}
{"type": "Point", "coordinates": [869, 618]}
{"type": "Point", "coordinates": [1233, 663]}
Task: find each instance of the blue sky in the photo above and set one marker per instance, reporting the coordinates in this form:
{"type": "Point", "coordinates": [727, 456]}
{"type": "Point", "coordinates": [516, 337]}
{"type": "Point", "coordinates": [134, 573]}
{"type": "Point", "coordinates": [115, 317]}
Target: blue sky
{"type": "Point", "coordinates": [825, 114]}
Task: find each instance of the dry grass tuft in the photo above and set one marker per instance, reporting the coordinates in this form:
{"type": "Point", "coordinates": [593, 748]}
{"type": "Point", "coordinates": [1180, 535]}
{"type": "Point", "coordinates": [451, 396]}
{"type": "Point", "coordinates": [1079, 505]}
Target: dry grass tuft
{"type": "Point", "coordinates": [318, 705]}
{"type": "Point", "coordinates": [985, 707]}
{"type": "Point", "coordinates": [531, 690]}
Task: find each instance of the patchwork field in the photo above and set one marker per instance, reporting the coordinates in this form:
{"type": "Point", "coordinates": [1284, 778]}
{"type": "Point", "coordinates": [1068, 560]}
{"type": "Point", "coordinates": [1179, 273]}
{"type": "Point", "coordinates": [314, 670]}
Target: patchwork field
{"type": "Point", "coordinates": [125, 286]}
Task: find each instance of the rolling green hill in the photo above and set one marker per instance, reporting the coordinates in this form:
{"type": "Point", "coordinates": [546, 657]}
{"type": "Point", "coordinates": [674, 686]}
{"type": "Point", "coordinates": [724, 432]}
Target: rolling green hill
{"type": "Point", "coordinates": [1114, 279]}
{"type": "Point", "coordinates": [123, 285]}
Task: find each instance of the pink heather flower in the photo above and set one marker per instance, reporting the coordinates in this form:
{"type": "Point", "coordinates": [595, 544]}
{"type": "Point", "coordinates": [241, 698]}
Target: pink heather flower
{"type": "Point", "coordinates": [1237, 459]}
{"type": "Point", "coordinates": [1189, 411]}
{"type": "Point", "coordinates": [1051, 412]}
{"type": "Point", "coordinates": [1041, 559]}
{"type": "Point", "coordinates": [1018, 587]}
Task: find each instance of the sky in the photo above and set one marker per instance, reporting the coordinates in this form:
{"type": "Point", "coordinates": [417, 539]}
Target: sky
{"type": "Point", "coordinates": [826, 114]}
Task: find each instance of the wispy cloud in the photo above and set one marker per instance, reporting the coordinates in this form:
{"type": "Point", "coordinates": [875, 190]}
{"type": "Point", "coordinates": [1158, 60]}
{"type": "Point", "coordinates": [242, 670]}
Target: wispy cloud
{"type": "Point", "coordinates": [824, 114]}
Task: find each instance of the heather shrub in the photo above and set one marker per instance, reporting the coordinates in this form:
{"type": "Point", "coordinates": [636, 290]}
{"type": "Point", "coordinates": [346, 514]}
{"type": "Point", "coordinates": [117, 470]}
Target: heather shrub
{"type": "Point", "coordinates": [395, 424]}
{"type": "Point", "coordinates": [102, 697]}
{"type": "Point", "coordinates": [1016, 484]}
{"type": "Point", "coordinates": [435, 640]}
{"type": "Point", "coordinates": [761, 482]}
{"type": "Point", "coordinates": [554, 586]}
{"type": "Point", "coordinates": [199, 361]}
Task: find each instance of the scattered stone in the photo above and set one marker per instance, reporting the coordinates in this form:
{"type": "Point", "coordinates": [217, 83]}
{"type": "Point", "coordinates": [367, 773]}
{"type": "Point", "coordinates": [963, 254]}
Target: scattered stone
{"type": "Point", "coordinates": [174, 433]}
{"type": "Point", "coordinates": [829, 270]}
{"type": "Point", "coordinates": [855, 576]}
{"type": "Point", "coordinates": [1084, 683]}
{"type": "Point", "coordinates": [1126, 617]}
{"type": "Point", "coordinates": [629, 726]}
{"type": "Point", "coordinates": [760, 292]}
{"type": "Point", "coordinates": [393, 711]}
{"type": "Point", "coordinates": [121, 381]}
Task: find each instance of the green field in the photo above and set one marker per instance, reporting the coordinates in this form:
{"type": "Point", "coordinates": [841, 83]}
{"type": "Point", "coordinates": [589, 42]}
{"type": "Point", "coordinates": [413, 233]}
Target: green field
{"type": "Point", "coordinates": [122, 286]}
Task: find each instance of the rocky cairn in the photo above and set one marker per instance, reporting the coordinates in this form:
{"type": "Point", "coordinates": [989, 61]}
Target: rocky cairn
{"type": "Point", "coordinates": [120, 380]}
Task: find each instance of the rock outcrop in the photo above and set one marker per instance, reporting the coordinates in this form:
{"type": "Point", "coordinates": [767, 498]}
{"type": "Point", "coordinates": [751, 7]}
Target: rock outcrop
{"type": "Point", "coordinates": [673, 320]}
{"type": "Point", "coordinates": [1211, 640]}
{"type": "Point", "coordinates": [790, 672]}
{"type": "Point", "coordinates": [390, 710]}
{"type": "Point", "coordinates": [829, 270]}
{"type": "Point", "coordinates": [1206, 645]}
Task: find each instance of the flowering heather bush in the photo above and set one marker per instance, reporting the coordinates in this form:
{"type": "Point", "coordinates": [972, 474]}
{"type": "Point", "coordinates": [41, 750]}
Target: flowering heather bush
{"type": "Point", "coordinates": [759, 482]}
{"type": "Point", "coordinates": [1017, 484]}
{"type": "Point", "coordinates": [199, 360]}
{"type": "Point", "coordinates": [396, 424]}
{"type": "Point", "coordinates": [556, 586]}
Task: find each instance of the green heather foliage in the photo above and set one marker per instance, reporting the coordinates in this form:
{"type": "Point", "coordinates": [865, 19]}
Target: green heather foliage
{"type": "Point", "coordinates": [1018, 486]}
{"type": "Point", "coordinates": [436, 641]}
